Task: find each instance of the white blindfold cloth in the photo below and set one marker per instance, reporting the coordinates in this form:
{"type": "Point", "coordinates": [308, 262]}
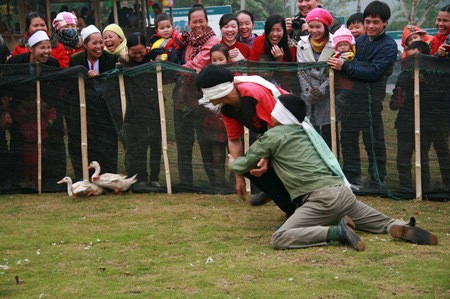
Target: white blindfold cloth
{"type": "Point", "coordinates": [283, 115]}
{"type": "Point", "coordinates": [223, 89]}
{"type": "Point", "coordinates": [37, 37]}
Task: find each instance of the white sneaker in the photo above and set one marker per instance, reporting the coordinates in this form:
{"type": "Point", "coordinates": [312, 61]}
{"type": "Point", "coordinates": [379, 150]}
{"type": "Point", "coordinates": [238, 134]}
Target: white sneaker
{"type": "Point", "coordinates": [155, 184]}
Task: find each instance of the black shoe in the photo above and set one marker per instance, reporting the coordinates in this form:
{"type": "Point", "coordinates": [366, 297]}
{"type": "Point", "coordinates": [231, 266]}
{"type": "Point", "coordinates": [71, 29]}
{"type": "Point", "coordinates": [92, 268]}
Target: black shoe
{"type": "Point", "coordinates": [260, 198]}
{"type": "Point", "coordinates": [412, 233]}
{"type": "Point", "coordinates": [357, 180]}
{"type": "Point", "coordinates": [347, 234]}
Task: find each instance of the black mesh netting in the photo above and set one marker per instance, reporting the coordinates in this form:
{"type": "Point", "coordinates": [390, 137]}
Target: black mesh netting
{"type": "Point", "coordinates": [182, 146]}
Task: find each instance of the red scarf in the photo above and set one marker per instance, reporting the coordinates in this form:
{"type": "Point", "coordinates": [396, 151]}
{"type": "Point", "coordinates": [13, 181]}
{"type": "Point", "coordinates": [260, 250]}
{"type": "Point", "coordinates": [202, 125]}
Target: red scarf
{"type": "Point", "coordinates": [197, 41]}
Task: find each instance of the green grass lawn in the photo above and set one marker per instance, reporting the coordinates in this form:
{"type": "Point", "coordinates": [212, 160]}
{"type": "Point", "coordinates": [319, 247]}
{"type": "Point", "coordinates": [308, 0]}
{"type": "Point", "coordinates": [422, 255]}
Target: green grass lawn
{"type": "Point", "coordinates": [203, 246]}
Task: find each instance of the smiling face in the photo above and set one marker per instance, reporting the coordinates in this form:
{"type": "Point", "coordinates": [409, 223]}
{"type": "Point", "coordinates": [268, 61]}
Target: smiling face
{"type": "Point", "coordinates": [198, 22]}
{"type": "Point", "coordinates": [164, 29]}
{"type": "Point", "coordinates": [276, 34]}
{"type": "Point", "coordinates": [137, 52]}
{"type": "Point", "coordinates": [245, 25]}
{"type": "Point", "coordinates": [230, 32]}
{"type": "Point", "coordinates": [442, 22]}
{"type": "Point", "coordinates": [374, 26]}
{"type": "Point", "coordinates": [357, 29]}
{"type": "Point", "coordinates": [305, 6]}
{"type": "Point", "coordinates": [316, 30]}
{"type": "Point", "coordinates": [37, 24]}
{"type": "Point", "coordinates": [41, 52]}
{"type": "Point", "coordinates": [111, 40]}
{"type": "Point", "coordinates": [94, 46]}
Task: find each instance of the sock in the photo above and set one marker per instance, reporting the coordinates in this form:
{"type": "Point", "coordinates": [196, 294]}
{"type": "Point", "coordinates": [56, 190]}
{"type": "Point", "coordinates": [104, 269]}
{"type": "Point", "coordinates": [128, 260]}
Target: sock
{"type": "Point", "coordinates": [333, 234]}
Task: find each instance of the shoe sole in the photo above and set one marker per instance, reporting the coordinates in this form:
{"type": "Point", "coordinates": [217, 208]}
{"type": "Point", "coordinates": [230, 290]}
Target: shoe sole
{"type": "Point", "coordinates": [413, 234]}
{"type": "Point", "coordinates": [353, 239]}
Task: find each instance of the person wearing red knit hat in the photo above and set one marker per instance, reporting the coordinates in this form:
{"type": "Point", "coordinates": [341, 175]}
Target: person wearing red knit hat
{"type": "Point", "coordinates": [315, 47]}
{"type": "Point", "coordinates": [319, 14]}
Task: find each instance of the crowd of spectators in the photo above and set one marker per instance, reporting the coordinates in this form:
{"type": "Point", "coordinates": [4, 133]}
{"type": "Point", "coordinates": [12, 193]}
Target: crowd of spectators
{"type": "Point", "coordinates": [360, 52]}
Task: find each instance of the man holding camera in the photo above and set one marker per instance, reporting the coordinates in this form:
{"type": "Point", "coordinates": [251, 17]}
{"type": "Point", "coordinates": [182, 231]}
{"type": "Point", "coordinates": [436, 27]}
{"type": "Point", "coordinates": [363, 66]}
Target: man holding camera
{"type": "Point", "coordinates": [297, 26]}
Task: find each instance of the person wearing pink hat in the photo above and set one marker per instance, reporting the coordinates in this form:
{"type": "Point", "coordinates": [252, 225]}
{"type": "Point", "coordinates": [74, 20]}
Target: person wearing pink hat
{"type": "Point", "coordinates": [376, 54]}
{"type": "Point", "coordinates": [316, 46]}
{"type": "Point", "coordinates": [344, 44]}
{"type": "Point", "coordinates": [66, 35]}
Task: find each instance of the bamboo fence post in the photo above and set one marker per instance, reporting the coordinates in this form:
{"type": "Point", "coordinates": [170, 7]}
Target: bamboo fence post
{"type": "Point", "coordinates": [162, 115]}
{"type": "Point", "coordinates": [418, 162]}
{"type": "Point", "coordinates": [248, 185]}
{"type": "Point", "coordinates": [333, 113]}
{"type": "Point", "coordinates": [39, 127]}
{"type": "Point", "coordinates": [123, 97]}
{"type": "Point", "coordinates": [83, 125]}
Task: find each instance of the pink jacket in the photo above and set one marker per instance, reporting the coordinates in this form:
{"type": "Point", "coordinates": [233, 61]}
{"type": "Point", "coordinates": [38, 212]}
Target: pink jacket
{"type": "Point", "coordinates": [202, 58]}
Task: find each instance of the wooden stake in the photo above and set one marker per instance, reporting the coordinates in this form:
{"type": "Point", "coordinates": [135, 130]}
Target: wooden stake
{"type": "Point", "coordinates": [248, 184]}
{"type": "Point", "coordinates": [162, 115]}
{"type": "Point", "coordinates": [417, 129]}
{"type": "Point", "coordinates": [123, 97]}
{"type": "Point", "coordinates": [83, 125]}
{"type": "Point", "coordinates": [333, 113]}
{"type": "Point", "coordinates": [39, 127]}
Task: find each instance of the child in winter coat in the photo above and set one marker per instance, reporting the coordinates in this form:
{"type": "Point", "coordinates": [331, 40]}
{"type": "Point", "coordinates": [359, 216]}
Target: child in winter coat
{"type": "Point", "coordinates": [344, 48]}
{"type": "Point", "coordinates": [167, 44]}
{"type": "Point", "coordinates": [412, 33]}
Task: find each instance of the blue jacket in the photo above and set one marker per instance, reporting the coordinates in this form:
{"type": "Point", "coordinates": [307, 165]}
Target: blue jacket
{"type": "Point", "coordinates": [370, 71]}
{"type": "Point", "coordinates": [374, 59]}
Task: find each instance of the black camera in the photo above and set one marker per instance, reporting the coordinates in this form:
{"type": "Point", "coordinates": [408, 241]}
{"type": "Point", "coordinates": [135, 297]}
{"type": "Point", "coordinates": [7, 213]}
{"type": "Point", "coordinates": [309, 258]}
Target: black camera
{"type": "Point", "coordinates": [297, 22]}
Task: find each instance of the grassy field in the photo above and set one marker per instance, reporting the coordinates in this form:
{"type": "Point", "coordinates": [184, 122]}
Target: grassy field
{"type": "Point", "coordinates": [203, 246]}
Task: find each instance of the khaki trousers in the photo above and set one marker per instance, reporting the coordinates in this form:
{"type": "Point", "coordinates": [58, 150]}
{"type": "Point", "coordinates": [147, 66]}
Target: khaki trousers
{"type": "Point", "coordinates": [308, 226]}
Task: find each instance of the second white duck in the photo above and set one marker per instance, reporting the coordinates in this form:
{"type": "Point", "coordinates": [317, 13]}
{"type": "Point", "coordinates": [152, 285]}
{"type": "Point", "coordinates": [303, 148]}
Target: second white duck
{"type": "Point", "coordinates": [114, 181]}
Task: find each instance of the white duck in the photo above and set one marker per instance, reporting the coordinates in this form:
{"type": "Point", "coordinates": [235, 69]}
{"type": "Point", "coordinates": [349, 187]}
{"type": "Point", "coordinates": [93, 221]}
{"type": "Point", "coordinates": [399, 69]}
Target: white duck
{"type": "Point", "coordinates": [116, 182]}
{"type": "Point", "coordinates": [85, 188]}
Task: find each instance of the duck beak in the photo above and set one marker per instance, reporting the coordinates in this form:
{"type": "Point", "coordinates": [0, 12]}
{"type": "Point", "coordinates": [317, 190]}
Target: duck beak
{"type": "Point", "coordinates": [60, 182]}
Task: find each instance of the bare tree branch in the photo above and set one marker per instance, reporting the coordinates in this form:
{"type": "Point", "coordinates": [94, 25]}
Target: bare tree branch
{"type": "Point", "coordinates": [405, 10]}
{"type": "Point", "coordinates": [425, 14]}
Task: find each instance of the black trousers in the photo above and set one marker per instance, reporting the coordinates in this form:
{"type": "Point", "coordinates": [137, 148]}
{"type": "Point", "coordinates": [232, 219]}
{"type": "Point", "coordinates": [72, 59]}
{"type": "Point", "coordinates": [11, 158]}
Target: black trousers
{"type": "Point", "coordinates": [271, 184]}
{"type": "Point", "coordinates": [352, 124]}
{"type": "Point", "coordinates": [138, 138]}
